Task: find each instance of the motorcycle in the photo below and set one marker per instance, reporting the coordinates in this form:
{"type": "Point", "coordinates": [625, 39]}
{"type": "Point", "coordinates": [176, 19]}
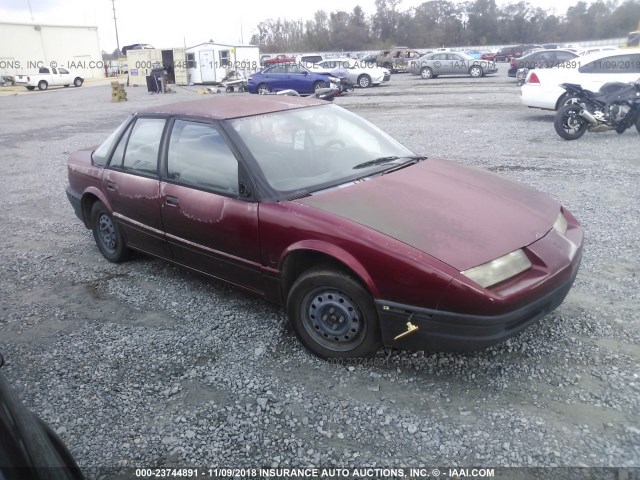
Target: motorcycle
{"type": "Point", "coordinates": [615, 107]}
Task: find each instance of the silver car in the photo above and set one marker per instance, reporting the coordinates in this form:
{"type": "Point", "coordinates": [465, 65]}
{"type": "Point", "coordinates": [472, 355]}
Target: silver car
{"type": "Point", "coordinates": [440, 63]}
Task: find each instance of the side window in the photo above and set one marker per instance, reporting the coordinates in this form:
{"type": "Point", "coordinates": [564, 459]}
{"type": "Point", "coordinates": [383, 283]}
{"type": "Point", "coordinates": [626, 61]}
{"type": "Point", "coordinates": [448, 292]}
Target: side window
{"type": "Point", "coordinates": [43, 70]}
{"type": "Point", "coordinates": [62, 71]}
{"type": "Point", "coordinates": [277, 69]}
{"type": "Point", "coordinates": [141, 151]}
{"type": "Point", "coordinates": [294, 68]}
{"type": "Point", "coordinates": [191, 60]}
{"type": "Point", "coordinates": [118, 153]}
{"type": "Point", "coordinates": [199, 156]}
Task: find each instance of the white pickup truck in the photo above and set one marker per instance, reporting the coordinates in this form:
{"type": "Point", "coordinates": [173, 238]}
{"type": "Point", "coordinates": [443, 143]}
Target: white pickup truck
{"type": "Point", "coordinates": [47, 77]}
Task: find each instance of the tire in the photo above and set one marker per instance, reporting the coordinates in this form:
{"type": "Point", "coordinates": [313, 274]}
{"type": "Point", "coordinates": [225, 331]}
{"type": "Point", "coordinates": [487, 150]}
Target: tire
{"type": "Point", "coordinates": [476, 71]}
{"type": "Point", "coordinates": [426, 73]}
{"type": "Point", "coordinates": [568, 124]}
{"type": "Point", "coordinates": [319, 85]}
{"type": "Point", "coordinates": [77, 82]}
{"type": "Point", "coordinates": [107, 234]}
{"type": "Point", "coordinates": [638, 123]}
{"type": "Point", "coordinates": [333, 315]}
{"type": "Point", "coordinates": [364, 81]}
{"type": "Point", "coordinates": [263, 88]}
{"type": "Point", "coordinates": [66, 86]}
{"type": "Point", "coordinates": [30, 88]}
{"type": "Point", "coordinates": [42, 85]}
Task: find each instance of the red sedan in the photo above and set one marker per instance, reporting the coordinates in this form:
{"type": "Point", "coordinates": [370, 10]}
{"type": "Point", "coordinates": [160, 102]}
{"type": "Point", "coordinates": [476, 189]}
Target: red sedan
{"type": "Point", "coordinates": [308, 205]}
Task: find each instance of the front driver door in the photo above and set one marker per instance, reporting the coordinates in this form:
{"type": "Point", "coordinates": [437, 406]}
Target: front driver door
{"type": "Point", "coordinates": [132, 186]}
{"type": "Point", "coordinates": [208, 226]}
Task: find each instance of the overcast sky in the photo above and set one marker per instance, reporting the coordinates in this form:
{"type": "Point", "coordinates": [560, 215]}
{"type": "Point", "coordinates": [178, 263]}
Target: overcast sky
{"type": "Point", "coordinates": [188, 22]}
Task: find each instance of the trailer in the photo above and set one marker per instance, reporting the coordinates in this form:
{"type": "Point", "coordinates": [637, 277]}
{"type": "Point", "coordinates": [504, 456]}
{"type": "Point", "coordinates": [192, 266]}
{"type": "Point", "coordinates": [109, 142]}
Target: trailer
{"type": "Point", "coordinates": [210, 62]}
{"type": "Point", "coordinates": [140, 63]}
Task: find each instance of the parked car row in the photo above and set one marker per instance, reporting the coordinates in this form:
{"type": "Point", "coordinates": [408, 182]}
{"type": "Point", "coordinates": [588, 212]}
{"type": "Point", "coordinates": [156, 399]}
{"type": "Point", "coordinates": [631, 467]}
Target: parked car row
{"type": "Point", "coordinates": [542, 86]}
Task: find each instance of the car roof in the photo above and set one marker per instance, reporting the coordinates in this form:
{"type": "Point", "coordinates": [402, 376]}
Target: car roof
{"type": "Point", "coordinates": [234, 106]}
{"type": "Point", "coordinates": [606, 53]}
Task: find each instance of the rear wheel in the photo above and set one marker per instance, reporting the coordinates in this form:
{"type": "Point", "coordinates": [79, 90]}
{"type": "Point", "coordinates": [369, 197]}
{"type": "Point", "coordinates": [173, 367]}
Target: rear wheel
{"type": "Point", "coordinates": [333, 315]}
{"type": "Point", "coordinates": [426, 72]}
{"type": "Point", "coordinates": [638, 123]}
{"type": "Point", "coordinates": [568, 122]}
{"type": "Point", "coordinates": [30, 88]}
{"type": "Point", "coordinates": [42, 85]}
{"type": "Point", "coordinates": [107, 234]}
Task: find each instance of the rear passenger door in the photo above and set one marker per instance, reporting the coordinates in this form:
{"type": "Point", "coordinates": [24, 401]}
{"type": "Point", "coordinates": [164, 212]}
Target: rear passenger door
{"type": "Point", "coordinates": [209, 225]}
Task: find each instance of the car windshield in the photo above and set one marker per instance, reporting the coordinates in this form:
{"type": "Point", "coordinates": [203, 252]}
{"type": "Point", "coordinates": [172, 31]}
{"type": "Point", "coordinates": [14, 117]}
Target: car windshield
{"type": "Point", "coordinates": [309, 149]}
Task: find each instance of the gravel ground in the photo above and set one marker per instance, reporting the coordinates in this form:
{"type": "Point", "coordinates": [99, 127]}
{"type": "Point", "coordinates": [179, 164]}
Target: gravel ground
{"type": "Point", "coordinates": [145, 364]}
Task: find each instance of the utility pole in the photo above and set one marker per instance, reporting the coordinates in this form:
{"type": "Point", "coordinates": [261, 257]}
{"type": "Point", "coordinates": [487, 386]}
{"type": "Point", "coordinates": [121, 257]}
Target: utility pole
{"type": "Point", "coordinates": [113, 3]}
{"type": "Point", "coordinates": [30, 11]}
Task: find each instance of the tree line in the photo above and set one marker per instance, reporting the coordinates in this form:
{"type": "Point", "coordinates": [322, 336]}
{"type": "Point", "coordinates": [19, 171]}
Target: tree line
{"type": "Point", "coordinates": [445, 23]}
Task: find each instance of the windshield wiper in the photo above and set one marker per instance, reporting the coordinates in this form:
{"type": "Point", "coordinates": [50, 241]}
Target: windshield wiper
{"type": "Point", "coordinates": [383, 160]}
{"type": "Point", "coordinates": [376, 161]}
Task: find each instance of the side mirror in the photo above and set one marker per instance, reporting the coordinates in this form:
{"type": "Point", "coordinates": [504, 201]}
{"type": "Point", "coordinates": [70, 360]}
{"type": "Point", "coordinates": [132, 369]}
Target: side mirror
{"type": "Point", "coordinates": [243, 191]}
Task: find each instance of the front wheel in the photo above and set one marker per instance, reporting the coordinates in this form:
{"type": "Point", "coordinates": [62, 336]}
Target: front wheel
{"type": "Point", "coordinates": [475, 71]}
{"type": "Point", "coordinates": [318, 85]}
{"type": "Point", "coordinates": [77, 82]}
{"type": "Point", "coordinates": [638, 122]}
{"type": "Point", "coordinates": [107, 234]}
{"type": "Point", "coordinates": [263, 89]}
{"type": "Point", "coordinates": [568, 122]}
{"type": "Point", "coordinates": [364, 81]}
{"type": "Point", "coordinates": [333, 315]}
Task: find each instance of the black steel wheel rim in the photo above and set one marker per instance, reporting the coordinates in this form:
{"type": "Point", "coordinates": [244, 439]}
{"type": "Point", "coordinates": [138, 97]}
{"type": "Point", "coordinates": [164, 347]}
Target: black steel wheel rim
{"type": "Point", "coordinates": [107, 232]}
{"type": "Point", "coordinates": [333, 319]}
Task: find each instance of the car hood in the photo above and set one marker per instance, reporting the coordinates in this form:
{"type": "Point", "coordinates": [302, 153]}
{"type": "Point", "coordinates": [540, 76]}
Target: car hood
{"type": "Point", "coordinates": [460, 215]}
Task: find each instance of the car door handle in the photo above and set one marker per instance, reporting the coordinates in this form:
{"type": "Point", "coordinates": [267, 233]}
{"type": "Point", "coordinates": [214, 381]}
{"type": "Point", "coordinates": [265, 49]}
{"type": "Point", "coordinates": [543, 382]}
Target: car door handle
{"type": "Point", "coordinates": [171, 200]}
{"type": "Point", "coordinates": [111, 185]}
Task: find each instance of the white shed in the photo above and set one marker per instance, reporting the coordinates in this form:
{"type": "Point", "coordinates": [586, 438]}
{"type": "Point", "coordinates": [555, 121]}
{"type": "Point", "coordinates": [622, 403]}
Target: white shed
{"type": "Point", "coordinates": [209, 62]}
{"type": "Point", "coordinates": [141, 62]}
{"type": "Point", "coordinates": [26, 47]}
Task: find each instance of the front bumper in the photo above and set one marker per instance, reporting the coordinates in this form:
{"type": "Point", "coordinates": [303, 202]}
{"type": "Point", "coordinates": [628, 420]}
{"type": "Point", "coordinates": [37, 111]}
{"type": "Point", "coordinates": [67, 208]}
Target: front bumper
{"type": "Point", "coordinates": [444, 331]}
{"type": "Point", "coordinates": [75, 201]}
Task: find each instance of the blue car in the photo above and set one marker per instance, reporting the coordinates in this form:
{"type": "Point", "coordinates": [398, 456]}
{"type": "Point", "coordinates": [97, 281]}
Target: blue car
{"type": "Point", "coordinates": [474, 54]}
{"type": "Point", "coordinates": [284, 76]}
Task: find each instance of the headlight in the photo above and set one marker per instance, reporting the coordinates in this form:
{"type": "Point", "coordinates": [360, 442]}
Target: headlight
{"type": "Point", "coordinates": [499, 269]}
{"type": "Point", "coordinates": [334, 79]}
{"type": "Point", "coordinates": [560, 224]}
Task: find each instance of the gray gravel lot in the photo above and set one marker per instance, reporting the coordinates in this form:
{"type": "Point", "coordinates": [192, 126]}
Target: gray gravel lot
{"type": "Point", "coordinates": [145, 364]}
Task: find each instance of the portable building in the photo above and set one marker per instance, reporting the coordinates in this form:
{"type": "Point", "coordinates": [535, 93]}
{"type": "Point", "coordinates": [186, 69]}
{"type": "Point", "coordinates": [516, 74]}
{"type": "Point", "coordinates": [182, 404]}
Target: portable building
{"type": "Point", "coordinates": [209, 62]}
